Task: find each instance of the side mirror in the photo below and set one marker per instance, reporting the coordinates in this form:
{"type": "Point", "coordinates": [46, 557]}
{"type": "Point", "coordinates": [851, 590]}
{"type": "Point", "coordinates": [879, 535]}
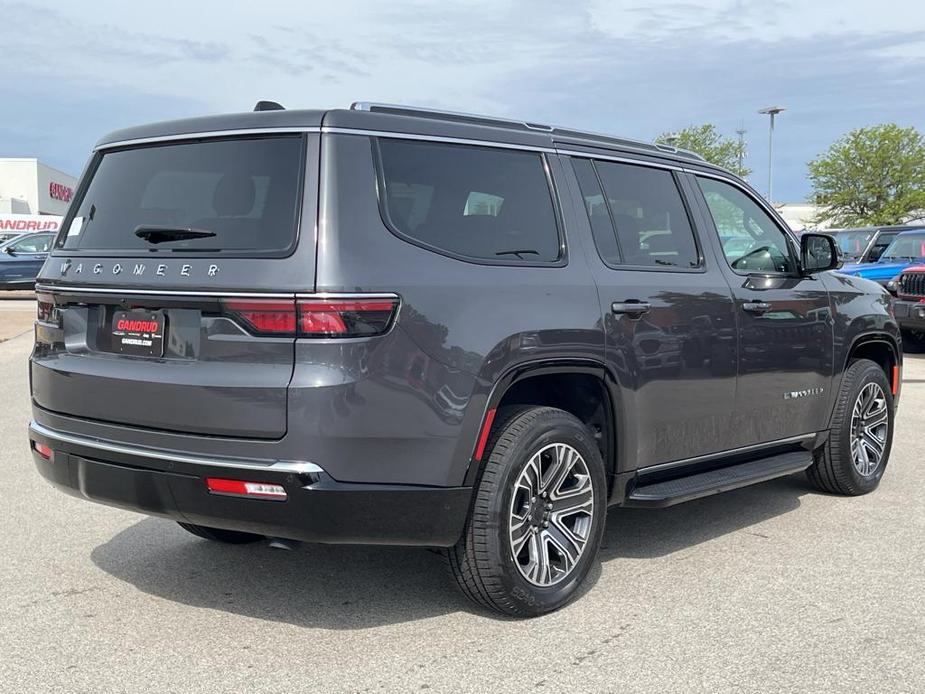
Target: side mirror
{"type": "Point", "coordinates": [818, 253]}
{"type": "Point", "coordinates": [9, 250]}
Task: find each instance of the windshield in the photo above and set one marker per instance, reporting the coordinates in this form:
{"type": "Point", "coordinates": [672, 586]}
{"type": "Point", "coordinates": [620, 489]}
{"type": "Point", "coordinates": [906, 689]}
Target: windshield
{"type": "Point", "coordinates": [214, 195]}
{"type": "Point", "coordinates": [853, 243]}
{"type": "Point", "coordinates": [905, 246]}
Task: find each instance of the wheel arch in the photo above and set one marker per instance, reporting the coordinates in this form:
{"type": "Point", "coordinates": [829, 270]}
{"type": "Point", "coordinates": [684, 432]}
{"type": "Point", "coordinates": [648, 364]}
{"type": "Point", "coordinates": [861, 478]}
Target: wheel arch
{"type": "Point", "coordinates": [582, 387]}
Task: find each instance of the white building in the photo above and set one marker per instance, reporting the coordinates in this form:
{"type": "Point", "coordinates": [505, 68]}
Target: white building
{"type": "Point", "coordinates": [27, 186]}
{"type": "Point", "coordinates": [33, 195]}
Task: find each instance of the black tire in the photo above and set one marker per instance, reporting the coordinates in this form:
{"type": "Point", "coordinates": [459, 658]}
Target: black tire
{"type": "Point", "coordinates": [483, 562]}
{"type": "Point", "coordinates": [834, 470]}
{"type": "Point", "coordinates": [229, 537]}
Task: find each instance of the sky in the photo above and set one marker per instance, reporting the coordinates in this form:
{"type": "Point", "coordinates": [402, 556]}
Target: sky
{"type": "Point", "coordinates": [73, 71]}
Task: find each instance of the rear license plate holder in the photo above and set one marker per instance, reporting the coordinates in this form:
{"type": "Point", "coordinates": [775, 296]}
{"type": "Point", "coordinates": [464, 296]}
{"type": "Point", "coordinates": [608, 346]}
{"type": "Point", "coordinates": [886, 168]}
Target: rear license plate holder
{"type": "Point", "coordinates": [139, 333]}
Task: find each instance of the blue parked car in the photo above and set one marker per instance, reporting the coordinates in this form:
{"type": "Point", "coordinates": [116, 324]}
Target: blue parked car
{"type": "Point", "coordinates": [908, 248]}
{"type": "Point", "coordinates": [21, 258]}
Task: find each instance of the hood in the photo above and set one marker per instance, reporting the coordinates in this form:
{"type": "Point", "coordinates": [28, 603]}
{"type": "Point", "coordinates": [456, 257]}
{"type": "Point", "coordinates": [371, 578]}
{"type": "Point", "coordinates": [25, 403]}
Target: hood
{"type": "Point", "coordinates": [875, 271]}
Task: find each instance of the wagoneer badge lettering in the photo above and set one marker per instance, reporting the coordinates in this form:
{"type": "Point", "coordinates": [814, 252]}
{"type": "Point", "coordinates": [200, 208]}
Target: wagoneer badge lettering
{"type": "Point", "coordinates": [808, 393]}
{"type": "Point", "coordinates": [161, 270]}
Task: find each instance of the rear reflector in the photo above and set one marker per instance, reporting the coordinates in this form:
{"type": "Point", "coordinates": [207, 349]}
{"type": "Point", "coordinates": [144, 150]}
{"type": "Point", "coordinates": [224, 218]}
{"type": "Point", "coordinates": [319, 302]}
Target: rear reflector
{"type": "Point", "coordinates": [896, 377]}
{"type": "Point", "coordinates": [314, 317]}
{"type": "Point", "coordinates": [483, 435]}
{"type": "Point", "coordinates": [254, 490]}
{"type": "Point", "coordinates": [45, 451]}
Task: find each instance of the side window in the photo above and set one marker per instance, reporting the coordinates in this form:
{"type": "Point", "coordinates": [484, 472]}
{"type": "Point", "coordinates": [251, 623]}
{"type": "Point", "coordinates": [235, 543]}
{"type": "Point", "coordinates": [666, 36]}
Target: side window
{"type": "Point", "coordinates": [32, 244]}
{"type": "Point", "coordinates": [653, 228]}
{"type": "Point", "coordinates": [604, 237]}
{"type": "Point", "coordinates": [880, 244]}
{"type": "Point", "coordinates": [751, 241]}
{"type": "Point", "coordinates": [475, 202]}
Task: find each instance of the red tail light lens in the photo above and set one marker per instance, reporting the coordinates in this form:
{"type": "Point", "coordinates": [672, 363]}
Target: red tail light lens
{"type": "Point", "coordinates": [45, 310]}
{"type": "Point", "coordinates": [272, 317]}
{"type": "Point", "coordinates": [328, 317]}
{"type": "Point", "coordinates": [43, 450]}
{"type": "Point", "coordinates": [345, 317]}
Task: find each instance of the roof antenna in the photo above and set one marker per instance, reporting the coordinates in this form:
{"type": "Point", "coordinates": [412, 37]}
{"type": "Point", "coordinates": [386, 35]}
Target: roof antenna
{"type": "Point", "coordinates": [268, 106]}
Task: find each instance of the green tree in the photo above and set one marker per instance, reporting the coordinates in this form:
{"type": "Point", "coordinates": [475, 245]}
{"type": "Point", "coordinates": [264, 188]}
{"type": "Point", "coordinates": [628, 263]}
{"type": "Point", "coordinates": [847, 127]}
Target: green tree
{"type": "Point", "coordinates": [871, 176]}
{"type": "Point", "coordinates": [710, 144]}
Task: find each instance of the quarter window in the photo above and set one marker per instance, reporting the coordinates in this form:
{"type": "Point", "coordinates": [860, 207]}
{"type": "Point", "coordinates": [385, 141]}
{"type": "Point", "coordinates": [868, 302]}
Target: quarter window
{"type": "Point", "coordinates": [751, 241]}
{"type": "Point", "coordinates": [652, 225]}
{"type": "Point", "coordinates": [474, 202]}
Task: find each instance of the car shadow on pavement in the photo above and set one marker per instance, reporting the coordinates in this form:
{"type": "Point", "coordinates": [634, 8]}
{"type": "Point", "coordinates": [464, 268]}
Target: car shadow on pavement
{"type": "Point", "coordinates": [355, 587]}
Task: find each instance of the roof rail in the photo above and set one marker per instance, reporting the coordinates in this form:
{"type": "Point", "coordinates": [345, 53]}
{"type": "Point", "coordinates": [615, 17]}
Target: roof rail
{"type": "Point", "coordinates": [400, 109]}
{"type": "Point", "coordinates": [446, 115]}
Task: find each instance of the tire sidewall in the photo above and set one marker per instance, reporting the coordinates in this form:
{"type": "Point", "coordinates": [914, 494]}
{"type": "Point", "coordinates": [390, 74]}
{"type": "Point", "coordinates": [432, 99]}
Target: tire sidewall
{"type": "Point", "coordinates": [555, 428]}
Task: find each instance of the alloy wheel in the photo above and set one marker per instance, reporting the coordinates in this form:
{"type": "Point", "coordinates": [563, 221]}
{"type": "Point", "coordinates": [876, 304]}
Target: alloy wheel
{"type": "Point", "coordinates": [551, 514]}
{"type": "Point", "coordinates": [870, 424]}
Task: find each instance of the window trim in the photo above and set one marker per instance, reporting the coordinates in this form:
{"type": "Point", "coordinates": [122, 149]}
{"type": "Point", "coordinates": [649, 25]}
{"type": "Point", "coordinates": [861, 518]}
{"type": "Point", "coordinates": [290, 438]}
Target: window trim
{"type": "Point", "coordinates": [560, 261]}
{"type": "Point", "coordinates": [57, 247]}
{"type": "Point", "coordinates": [772, 215]}
{"type": "Point", "coordinates": [701, 266]}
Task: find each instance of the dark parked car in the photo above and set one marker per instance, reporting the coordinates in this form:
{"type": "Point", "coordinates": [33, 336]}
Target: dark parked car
{"type": "Point", "coordinates": [910, 305]}
{"type": "Point", "coordinates": [395, 326]}
{"type": "Point", "coordinates": [21, 258]}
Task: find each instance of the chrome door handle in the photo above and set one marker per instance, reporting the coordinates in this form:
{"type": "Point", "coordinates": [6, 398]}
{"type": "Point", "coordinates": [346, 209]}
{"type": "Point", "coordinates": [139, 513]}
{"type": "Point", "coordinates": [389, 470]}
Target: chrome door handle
{"type": "Point", "coordinates": [756, 306]}
{"type": "Point", "coordinates": [631, 308]}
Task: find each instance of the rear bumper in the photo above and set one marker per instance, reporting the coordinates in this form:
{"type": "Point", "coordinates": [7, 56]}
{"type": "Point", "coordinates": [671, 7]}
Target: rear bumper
{"type": "Point", "coordinates": [172, 484]}
{"type": "Point", "coordinates": [909, 314]}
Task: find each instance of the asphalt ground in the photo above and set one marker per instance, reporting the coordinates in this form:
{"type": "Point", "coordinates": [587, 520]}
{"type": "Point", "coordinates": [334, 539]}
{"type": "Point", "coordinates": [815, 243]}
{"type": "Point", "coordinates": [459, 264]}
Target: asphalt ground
{"type": "Point", "coordinates": [770, 588]}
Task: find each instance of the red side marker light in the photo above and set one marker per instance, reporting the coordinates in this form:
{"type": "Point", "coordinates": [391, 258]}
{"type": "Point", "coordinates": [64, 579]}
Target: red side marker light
{"type": "Point", "coordinates": [253, 490]}
{"type": "Point", "coordinates": [45, 451]}
{"type": "Point", "coordinates": [896, 375]}
{"type": "Point", "coordinates": [483, 435]}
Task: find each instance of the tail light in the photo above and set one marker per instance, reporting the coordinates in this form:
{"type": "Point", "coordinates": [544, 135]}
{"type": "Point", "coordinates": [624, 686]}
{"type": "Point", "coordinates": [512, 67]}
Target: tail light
{"type": "Point", "coordinates": [316, 317]}
{"type": "Point", "coordinates": [45, 308]}
{"type": "Point", "coordinates": [43, 450]}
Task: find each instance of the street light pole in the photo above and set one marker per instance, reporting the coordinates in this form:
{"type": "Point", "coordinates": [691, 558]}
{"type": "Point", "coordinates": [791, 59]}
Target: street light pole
{"type": "Point", "coordinates": [771, 111]}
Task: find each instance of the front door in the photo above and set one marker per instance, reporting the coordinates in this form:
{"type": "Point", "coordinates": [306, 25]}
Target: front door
{"type": "Point", "coordinates": [785, 323]}
{"type": "Point", "coordinates": [668, 315]}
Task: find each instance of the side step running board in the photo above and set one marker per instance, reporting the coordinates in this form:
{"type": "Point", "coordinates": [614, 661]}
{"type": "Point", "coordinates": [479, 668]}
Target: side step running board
{"type": "Point", "coordinates": [671, 492]}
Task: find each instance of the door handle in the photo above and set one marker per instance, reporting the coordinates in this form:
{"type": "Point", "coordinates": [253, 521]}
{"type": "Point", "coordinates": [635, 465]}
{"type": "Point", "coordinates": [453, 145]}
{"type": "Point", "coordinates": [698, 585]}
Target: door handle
{"type": "Point", "coordinates": [756, 306]}
{"type": "Point", "coordinates": [631, 308]}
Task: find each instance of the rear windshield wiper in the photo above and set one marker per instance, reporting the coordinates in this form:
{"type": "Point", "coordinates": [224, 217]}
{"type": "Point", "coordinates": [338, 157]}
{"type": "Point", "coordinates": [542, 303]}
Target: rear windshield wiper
{"type": "Point", "coordinates": [519, 253]}
{"type": "Point", "coordinates": [156, 234]}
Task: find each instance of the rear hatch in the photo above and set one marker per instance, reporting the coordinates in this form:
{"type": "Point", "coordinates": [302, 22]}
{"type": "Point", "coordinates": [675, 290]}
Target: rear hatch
{"type": "Point", "coordinates": [168, 302]}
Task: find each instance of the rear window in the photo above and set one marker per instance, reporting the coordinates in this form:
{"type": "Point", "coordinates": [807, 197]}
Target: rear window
{"type": "Point", "coordinates": [236, 195]}
{"type": "Point", "coordinates": [467, 201]}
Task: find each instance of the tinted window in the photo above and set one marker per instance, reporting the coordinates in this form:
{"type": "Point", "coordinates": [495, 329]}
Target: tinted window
{"type": "Point", "coordinates": [601, 226]}
{"type": "Point", "coordinates": [653, 228]}
{"type": "Point", "coordinates": [475, 202]}
{"type": "Point", "coordinates": [34, 243]}
{"type": "Point", "coordinates": [853, 243]}
{"type": "Point", "coordinates": [880, 245]}
{"type": "Point", "coordinates": [243, 193]}
{"type": "Point", "coordinates": [752, 242]}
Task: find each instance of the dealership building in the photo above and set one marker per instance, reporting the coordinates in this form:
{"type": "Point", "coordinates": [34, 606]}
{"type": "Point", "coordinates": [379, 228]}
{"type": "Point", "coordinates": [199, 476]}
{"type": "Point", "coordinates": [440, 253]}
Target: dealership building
{"type": "Point", "coordinates": [33, 195]}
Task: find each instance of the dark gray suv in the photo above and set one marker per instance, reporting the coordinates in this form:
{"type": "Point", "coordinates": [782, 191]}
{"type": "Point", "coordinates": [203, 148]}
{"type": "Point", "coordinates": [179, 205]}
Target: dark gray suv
{"type": "Point", "coordinates": [396, 326]}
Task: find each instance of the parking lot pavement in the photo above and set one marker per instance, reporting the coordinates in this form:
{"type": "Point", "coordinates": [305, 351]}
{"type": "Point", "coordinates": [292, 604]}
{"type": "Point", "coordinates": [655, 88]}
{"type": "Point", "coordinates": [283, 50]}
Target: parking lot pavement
{"type": "Point", "coordinates": [17, 313]}
{"type": "Point", "coordinates": [774, 587]}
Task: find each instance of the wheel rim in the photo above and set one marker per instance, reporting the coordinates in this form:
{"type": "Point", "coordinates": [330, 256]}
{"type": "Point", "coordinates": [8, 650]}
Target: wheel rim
{"type": "Point", "coordinates": [870, 423]}
{"type": "Point", "coordinates": [551, 514]}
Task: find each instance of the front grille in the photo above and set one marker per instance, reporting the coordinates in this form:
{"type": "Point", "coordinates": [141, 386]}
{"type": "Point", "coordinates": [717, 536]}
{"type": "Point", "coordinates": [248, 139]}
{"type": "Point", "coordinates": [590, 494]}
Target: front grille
{"type": "Point", "coordinates": [912, 284]}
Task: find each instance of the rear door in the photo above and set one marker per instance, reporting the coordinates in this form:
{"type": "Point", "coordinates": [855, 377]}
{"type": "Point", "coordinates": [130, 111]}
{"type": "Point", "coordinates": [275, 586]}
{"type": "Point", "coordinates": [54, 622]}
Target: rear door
{"type": "Point", "coordinates": [668, 314]}
{"type": "Point", "coordinates": [169, 302]}
{"type": "Point", "coordinates": [785, 326]}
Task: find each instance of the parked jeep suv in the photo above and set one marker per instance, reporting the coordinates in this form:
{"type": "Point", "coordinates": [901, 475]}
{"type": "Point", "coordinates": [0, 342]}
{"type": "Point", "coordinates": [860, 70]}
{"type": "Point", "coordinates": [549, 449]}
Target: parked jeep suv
{"type": "Point", "coordinates": [386, 325]}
